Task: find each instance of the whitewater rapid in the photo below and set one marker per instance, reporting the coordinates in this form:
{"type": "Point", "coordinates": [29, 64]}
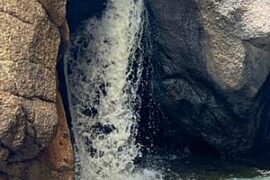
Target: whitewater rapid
{"type": "Point", "coordinates": [102, 89]}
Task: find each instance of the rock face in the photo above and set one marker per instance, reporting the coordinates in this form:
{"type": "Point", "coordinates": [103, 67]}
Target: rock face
{"type": "Point", "coordinates": [29, 117]}
{"type": "Point", "coordinates": [212, 63]}
{"type": "Point", "coordinates": [54, 162]}
{"type": "Point", "coordinates": [29, 47]}
{"type": "Point", "coordinates": [56, 11]}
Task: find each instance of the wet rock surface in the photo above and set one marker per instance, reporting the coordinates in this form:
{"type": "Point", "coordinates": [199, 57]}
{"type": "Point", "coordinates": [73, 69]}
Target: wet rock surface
{"type": "Point", "coordinates": [211, 67]}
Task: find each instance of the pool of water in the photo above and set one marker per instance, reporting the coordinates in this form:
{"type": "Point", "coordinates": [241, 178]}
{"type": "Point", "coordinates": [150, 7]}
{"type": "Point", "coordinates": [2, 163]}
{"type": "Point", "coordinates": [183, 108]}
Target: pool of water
{"type": "Point", "coordinates": [173, 167]}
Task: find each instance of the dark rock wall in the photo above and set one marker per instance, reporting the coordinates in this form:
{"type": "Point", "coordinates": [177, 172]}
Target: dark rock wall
{"type": "Point", "coordinates": [211, 83]}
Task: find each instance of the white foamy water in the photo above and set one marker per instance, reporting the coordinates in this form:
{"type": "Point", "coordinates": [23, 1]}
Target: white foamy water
{"type": "Point", "coordinates": [103, 70]}
{"type": "Point", "coordinates": [102, 92]}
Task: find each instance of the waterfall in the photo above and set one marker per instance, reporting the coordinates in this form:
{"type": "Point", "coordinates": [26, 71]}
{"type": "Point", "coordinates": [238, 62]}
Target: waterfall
{"type": "Point", "coordinates": [102, 86]}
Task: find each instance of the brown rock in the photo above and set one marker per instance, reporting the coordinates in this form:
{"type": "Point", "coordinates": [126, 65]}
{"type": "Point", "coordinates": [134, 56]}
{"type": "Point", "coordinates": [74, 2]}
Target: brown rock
{"type": "Point", "coordinates": [57, 161]}
{"type": "Point", "coordinates": [29, 107]}
{"type": "Point", "coordinates": [28, 52]}
{"type": "Point", "coordinates": [3, 177]}
{"type": "Point", "coordinates": [61, 151]}
{"type": "Point", "coordinates": [56, 10]}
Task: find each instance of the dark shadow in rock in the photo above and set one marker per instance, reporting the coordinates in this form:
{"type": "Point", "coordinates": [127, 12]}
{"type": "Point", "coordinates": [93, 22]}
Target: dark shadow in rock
{"type": "Point", "coordinates": [79, 10]}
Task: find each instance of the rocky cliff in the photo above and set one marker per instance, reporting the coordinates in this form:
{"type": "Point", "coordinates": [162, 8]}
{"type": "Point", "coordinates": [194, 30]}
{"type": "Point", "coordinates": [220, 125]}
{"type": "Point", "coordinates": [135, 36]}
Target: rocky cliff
{"type": "Point", "coordinates": [212, 62]}
{"type": "Point", "coordinates": [31, 114]}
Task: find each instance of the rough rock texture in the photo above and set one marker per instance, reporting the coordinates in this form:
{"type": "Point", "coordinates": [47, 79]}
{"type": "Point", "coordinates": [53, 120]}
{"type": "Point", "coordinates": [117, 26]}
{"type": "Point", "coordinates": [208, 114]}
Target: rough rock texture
{"type": "Point", "coordinates": [60, 152]}
{"type": "Point", "coordinates": [29, 47]}
{"type": "Point", "coordinates": [211, 62]}
{"type": "Point", "coordinates": [29, 108]}
{"type": "Point", "coordinates": [56, 10]}
{"type": "Point", "coordinates": [54, 162]}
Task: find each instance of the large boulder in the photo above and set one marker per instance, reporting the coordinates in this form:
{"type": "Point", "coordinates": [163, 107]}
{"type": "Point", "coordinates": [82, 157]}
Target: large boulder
{"type": "Point", "coordinates": [33, 126]}
{"type": "Point", "coordinates": [211, 65]}
{"type": "Point", "coordinates": [35, 140]}
{"type": "Point", "coordinates": [54, 162]}
{"type": "Point", "coordinates": [28, 52]}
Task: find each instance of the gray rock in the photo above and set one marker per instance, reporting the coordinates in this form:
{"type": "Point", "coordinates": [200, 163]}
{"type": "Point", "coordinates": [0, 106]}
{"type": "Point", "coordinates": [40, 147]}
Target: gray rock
{"type": "Point", "coordinates": [211, 62]}
{"type": "Point", "coordinates": [28, 55]}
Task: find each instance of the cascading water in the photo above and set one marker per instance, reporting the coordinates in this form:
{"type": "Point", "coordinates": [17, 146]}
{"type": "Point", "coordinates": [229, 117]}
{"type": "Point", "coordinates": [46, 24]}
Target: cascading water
{"type": "Point", "coordinates": [102, 86]}
{"type": "Point", "coordinates": [104, 72]}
